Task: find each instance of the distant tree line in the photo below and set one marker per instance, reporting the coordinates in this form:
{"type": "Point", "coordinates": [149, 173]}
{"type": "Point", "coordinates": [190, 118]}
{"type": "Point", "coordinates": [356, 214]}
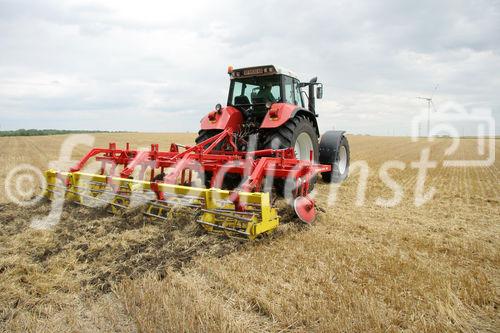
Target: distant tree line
{"type": "Point", "coordinates": [34, 132]}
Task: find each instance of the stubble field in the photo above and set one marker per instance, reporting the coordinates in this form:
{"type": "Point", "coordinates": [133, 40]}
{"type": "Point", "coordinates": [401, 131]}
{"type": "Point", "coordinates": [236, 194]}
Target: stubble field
{"type": "Point", "coordinates": [360, 267]}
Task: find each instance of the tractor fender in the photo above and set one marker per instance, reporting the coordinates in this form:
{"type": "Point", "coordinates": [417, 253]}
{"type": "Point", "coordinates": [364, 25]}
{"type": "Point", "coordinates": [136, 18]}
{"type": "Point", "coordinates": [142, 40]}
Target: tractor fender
{"type": "Point", "coordinates": [228, 117]}
{"type": "Point", "coordinates": [328, 146]}
{"type": "Point", "coordinates": [280, 113]}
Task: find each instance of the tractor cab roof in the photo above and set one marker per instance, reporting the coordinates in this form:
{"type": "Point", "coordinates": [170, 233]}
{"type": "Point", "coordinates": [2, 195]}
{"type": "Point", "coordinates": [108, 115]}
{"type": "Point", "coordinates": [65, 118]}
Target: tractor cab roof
{"type": "Point", "coordinates": [263, 70]}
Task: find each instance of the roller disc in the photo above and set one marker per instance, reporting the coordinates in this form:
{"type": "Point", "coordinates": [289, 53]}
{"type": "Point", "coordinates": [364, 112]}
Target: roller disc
{"type": "Point", "coordinates": [304, 208]}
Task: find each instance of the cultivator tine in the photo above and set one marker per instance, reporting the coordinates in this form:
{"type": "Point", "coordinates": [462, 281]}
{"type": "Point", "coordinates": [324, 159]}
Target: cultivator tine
{"type": "Point", "coordinates": [90, 194]}
{"type": "Point", "coordinates": [221, 228]}
{"type": "Point", "coordinates": [158, 211]}
{"type": "Point", "coordinates": [231, 223]}
{"type": "Point", "coordinates": [227, 214]}
{"type": "Point", "coordinates": [82, 196]}
{"type": "Point", "coordinates": [53, 193]}
{"type": "Point", "coordinates": [161, 208]}
{"type": "Point", "coordinates": [121, 200]}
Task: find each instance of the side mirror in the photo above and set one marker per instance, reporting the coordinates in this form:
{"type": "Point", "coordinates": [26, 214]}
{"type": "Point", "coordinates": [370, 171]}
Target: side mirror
{"type": "Point", "coordinates": [319, 92]}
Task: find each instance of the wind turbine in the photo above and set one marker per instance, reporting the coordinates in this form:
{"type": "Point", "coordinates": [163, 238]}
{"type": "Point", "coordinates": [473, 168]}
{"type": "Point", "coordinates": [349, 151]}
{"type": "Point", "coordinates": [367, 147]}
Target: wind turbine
{"type": "Point", "coordinates": [429, 104]}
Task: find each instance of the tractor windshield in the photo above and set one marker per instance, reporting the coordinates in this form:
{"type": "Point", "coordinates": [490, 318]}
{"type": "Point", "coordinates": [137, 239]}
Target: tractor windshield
{"type": "Point", "coordinates": [255, 90]}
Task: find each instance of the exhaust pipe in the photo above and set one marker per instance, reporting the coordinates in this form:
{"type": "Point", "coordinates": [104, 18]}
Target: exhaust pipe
{"type": "Point", "coordinates": [312, 99]}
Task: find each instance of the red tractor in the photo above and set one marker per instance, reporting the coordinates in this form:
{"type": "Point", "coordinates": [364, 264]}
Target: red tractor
{"type": "Point", "coordinates": [266, 109]}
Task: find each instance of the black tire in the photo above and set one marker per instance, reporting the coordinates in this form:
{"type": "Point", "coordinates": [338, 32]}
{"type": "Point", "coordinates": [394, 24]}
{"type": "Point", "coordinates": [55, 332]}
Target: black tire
{"type": "Point", "coordinates": [285, 136]}
{"type": "Point", "coordinates": [206, 134]}
{"type": "Point", "coordinates": [334, 150]}
{"type": "Point", "coordinates": [231, 180]}
{"type": "Point", "coordinates": [202, 136]}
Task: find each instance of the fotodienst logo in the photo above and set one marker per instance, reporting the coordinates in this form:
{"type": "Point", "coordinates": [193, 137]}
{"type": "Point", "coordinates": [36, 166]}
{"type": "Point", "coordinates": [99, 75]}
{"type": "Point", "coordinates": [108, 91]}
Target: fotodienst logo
{"type": "Point", "coordinates": [454, 121]}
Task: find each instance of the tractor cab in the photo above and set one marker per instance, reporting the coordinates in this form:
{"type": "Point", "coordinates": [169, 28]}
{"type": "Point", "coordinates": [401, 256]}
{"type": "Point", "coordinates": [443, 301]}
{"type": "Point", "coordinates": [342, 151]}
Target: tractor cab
{"type": "Point", "coordinates": [266, 108]}
{"type": "Point", "coordinates": [254, 89]}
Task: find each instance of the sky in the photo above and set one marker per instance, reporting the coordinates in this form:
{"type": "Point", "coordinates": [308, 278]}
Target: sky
{"type": "Point", "coordinates": [160, 66]}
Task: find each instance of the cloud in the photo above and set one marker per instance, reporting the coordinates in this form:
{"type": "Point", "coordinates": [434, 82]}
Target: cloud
{"type": "Point", "coordinates": [159, 66]}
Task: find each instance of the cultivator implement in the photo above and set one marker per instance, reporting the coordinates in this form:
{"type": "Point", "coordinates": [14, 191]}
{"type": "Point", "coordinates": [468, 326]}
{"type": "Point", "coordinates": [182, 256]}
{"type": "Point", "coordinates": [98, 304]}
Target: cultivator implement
{"type": "Point", "coordinates": [163, 181]}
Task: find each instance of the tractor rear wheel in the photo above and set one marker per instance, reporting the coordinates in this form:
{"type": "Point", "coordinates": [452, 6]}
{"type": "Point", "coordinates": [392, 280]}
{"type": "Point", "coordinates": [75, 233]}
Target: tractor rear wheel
{"type": "Point", "coordinates": [298, 132]}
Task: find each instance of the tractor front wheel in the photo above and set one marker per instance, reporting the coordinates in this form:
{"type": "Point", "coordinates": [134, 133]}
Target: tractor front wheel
{"type": "Point", "coordinates": [230, 180]}
{"type": "Point", "coordinates": [334, 150]}
{"type": "Point", "coordinates": [205, 135]}
{"type": "Point", "coordinates": [202, 136]}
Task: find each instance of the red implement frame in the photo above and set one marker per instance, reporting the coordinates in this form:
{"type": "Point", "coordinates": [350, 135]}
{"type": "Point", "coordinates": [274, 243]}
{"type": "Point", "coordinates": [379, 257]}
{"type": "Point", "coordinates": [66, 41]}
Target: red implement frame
{"type": "Point", "coordinates": [278, 163]}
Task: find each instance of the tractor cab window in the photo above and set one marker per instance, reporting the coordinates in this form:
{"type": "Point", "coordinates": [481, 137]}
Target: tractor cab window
{"type": "Point", "coordinates": [255, 90]}
{"type": "Point", "coordinates": [297, 94]}
{"type": "Point", "coordinates": [292, 91]}
{"type": "Point", "coordinates": [289, 95]}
